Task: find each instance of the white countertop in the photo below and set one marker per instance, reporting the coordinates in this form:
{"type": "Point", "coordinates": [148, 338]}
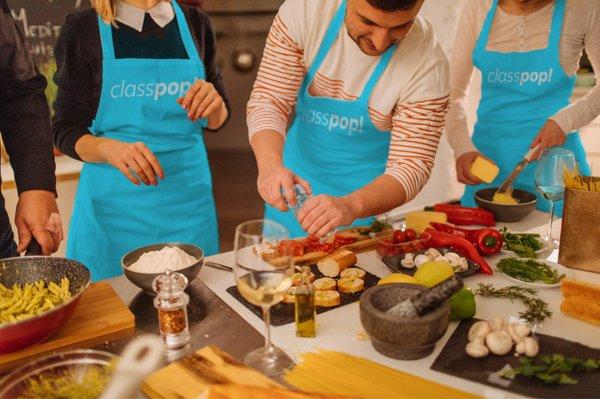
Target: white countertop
{"type": "Point", "coordinates": [64, 166]}
{"type": "Point", "coordinates": [337, 329]}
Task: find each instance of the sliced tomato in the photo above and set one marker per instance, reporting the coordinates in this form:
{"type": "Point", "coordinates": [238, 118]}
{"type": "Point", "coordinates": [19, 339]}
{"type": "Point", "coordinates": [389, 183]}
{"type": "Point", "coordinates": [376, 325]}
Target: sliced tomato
{"type": "Point", "coordinates": [291, 248]}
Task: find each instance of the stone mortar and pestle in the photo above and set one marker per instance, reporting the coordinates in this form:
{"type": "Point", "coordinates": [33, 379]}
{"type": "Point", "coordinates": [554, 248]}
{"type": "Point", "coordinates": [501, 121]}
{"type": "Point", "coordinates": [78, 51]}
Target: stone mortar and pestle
{"type": "Point", "coordinates": [405, 321]}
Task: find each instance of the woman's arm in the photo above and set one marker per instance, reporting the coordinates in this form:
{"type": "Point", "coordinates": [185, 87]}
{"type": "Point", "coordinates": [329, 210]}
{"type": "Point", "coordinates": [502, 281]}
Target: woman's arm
{"type": "Point", "coordinates": [587, 108]}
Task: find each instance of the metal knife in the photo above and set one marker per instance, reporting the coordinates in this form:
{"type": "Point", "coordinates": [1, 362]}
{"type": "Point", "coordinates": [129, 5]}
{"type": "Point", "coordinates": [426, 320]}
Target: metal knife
{"type": "Point", "coordinates": [505, 187]}
{"type": "Point", "coordinates": [218, 266]}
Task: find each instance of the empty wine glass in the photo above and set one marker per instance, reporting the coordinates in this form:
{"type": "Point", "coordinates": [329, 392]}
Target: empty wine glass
{"type": "Point", "coordinates": [550, 183]}
{"type": "Point", "coordinates": [263, 276]}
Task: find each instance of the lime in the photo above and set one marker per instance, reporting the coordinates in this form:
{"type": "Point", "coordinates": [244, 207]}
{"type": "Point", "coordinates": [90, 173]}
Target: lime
{"type": "Point", "coordinates": [434, 272]}
{"type": "Point", "coordinates": [462, 304]}
{"type": "Point", "coordinates": [397, 278]}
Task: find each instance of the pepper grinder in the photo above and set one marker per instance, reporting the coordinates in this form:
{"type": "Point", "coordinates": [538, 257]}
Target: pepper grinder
{"type": "Point", "coordinates": [171, 302]}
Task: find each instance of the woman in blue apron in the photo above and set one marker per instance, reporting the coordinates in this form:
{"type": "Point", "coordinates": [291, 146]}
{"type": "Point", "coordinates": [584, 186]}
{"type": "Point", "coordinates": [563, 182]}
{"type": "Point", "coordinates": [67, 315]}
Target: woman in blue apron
{"type": "Point", "coordinates": [156, 101]}
{"type": "Point", "coordinates": [512, 111]}
{"type": "Point", "coordinates": [335, 161]}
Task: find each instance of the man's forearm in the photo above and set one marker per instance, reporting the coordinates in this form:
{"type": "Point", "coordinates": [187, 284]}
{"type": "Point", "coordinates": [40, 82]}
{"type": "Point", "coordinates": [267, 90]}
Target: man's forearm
{"type": "Point", "coordinates": [381, 195]}
{"type": "Point", "coordinates": [268, 148]}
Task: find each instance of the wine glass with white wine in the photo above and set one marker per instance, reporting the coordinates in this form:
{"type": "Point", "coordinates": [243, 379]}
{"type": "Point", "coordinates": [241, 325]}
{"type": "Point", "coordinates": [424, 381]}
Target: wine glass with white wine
{"type": "Point", "coordinates": [550, 182]}
{"type": "Point", "coordinates": [263, 284]}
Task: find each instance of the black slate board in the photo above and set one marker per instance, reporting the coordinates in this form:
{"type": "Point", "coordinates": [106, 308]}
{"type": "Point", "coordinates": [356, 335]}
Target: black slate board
{"type": "Point", "coordinates": [454, 361]}
{"type": "Point", "coordinates": [283, 313]}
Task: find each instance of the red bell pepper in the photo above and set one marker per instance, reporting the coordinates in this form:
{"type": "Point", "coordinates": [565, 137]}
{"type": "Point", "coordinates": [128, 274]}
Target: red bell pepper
{"type": "Point", "coordinates": [440, 239]}
{"type": "Point", "coordinates": [488, 241]}
{"type": "Point", "coordinates": [466, 216]}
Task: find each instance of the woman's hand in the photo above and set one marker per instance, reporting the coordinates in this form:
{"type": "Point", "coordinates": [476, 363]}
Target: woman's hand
{"type": "Point", "coordinates": [204, 101]}
{"type": "Point", "coordinates": [463, 168]}
{"type": "Point", "coordinates": [269, 183]}
{"type": "Point", "coordinates": [551, 135]}
{"type": "Point", "coordinates": [324, 213]}
{"type": "Point", "coordinates": [132, 157]}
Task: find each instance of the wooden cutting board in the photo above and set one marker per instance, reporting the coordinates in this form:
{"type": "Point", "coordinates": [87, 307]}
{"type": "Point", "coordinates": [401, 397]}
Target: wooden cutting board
{"type": "Point", "coordinates": [191, 375]}
{"type": "Point", "coordinates": [100, 317]}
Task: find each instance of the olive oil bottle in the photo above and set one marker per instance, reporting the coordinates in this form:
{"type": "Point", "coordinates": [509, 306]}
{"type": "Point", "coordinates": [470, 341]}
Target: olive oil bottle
{"type": "Point", "coordinates": [305, 306]}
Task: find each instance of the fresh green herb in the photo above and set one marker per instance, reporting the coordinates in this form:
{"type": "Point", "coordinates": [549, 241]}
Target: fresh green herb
{"type": "Point", "coordinates": [529, 270]}
{"type": "Point", "coordinates": [524, 245]}
{"type": "Point", "coordinates": [376, 227]}
{"type": "Point", "coordinates": [536, 310]}
{"type": "Point", "coordinates": [552, 369]}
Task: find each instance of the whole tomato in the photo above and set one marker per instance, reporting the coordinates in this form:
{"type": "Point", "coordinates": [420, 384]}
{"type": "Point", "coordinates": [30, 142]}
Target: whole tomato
{"type": "Point", "coordinates": [410, 234]}
{"type": "Point", "coordinates": [399, 237]}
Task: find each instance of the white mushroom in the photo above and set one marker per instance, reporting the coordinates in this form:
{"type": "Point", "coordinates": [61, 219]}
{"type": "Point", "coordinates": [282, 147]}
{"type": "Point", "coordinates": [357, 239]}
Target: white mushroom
{"type": "Point", "coordinates": [499, 342]}
{"type": "Point", "coordinates": [528, 346]}
{"type": "Point", "coordinates": [407, 263]}
{"type": "Point", "coordinates": [433, 253]}
{"type": "Point", "coordinates": [497, 324]}
{"type": "Point", "coordinates": [452, 257]}
{"type": "Point", "coordinates": [420, 259]}
{"type": "Point", "coordinates": [477, 348]}
{"type": "Point", "coordinates": [409, 256]}
{"type": "Point", "coordinates": [517, 331]}
{"type": "Point", "coordinates": [479, 330]}
{"type": "Point", "coordinates": [441, 259]}
{"type": "Point", "coordinates": [464, 265]}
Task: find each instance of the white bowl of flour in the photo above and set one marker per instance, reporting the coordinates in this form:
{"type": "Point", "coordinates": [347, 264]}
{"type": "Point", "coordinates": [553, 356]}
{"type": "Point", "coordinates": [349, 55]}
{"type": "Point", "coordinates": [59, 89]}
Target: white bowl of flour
{"type": "Point", "coordinates": [142, 265]}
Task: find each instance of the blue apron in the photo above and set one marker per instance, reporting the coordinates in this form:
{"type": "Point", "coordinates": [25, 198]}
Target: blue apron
{"type": "Point", "coordinates": [332, 143]}
{"type": "Point", "coordinates": [111, 215]}
{"type": "Point", "coordinates": [519, 92]}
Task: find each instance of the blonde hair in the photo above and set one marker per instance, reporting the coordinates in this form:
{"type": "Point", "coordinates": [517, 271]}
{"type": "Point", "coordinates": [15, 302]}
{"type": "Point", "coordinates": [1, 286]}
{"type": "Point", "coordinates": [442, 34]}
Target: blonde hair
{"type": "Point", "coordinates": [106, 9]}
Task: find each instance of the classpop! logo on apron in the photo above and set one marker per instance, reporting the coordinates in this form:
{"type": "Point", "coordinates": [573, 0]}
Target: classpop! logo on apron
{"type": "Point", "coordinates": [348, 125]}
{"type": "Point", "coordinates": [154, 90]}
{"type": "Point", "coordinates": [520, 77]}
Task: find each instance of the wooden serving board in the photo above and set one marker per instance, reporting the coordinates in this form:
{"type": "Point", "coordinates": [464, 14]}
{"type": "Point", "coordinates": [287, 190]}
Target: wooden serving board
{"type": "Point", "coordinates": [190, 376]}
{"type": "Point", "coordinates": [101, 316]}
{"type": "Point", "coordinates": [364, 243]}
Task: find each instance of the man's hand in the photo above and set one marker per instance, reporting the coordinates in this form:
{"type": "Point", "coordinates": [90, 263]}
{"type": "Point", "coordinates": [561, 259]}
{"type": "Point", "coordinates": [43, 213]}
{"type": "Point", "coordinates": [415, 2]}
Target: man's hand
{"type": "Point", "coordinates": [37, 215]}
{"type": "Point", "coordinates": [463, 168]}
{"type": "Point", "coordinates": [551, 135]}
{"type": "Point", "coordinates": [270, 181]}
{"type": "Point", "coordinates": [323, 213]}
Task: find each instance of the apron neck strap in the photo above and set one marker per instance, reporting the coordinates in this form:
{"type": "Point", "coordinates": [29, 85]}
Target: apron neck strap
{"type": "Point", "coordinates": [106, 35]}
{"type": "Point", "coordinates": [330, 36]}
{"type": "Point", "coordinates": [558, 17]}
{"type": "Point", "coordinates": [384, 61]}
{"type": "Point", "coordinates": [184, 31]}
{"type": "Point", "coordinates": [487, 26]}
{"type": "Point", "coordinates": [106, 39]}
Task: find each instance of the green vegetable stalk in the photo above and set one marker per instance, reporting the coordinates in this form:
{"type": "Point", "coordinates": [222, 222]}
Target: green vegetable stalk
{"type": "Point", "coordinates": [552, 369]}
{"type": "Point", "coordinates": [529, 270]}
{"type": "Point", "coordinates": [524, 245]}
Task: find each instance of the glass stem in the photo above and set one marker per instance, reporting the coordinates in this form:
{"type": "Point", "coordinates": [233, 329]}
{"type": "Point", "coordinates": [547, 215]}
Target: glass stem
{"type": "Point", "coordinates": [266, 311]}
{"type": "Point", "coordinates": [549, 233]}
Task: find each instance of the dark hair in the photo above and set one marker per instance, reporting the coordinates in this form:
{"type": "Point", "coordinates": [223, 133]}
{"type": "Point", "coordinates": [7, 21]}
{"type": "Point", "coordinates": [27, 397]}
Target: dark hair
{"type": "Point", "coordinates": [393, 5]}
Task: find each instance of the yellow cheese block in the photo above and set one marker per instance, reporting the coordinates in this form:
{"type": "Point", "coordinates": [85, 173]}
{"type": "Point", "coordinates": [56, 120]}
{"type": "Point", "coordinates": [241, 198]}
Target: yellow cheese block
{"type": "Point", "coordinates": [420, 220]}
{"type": "Point", "coordinates": [484, 169]}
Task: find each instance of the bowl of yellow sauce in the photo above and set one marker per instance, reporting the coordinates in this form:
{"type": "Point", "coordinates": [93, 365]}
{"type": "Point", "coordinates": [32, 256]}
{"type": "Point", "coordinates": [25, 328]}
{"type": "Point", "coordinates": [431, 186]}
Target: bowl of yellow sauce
{"type": "Point", "coordinates": [509, 207]}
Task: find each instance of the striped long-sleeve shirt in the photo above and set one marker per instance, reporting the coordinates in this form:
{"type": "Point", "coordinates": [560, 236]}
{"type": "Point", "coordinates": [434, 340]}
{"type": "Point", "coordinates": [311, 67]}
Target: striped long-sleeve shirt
{"type": "Point", "coordinates": [410, 99]}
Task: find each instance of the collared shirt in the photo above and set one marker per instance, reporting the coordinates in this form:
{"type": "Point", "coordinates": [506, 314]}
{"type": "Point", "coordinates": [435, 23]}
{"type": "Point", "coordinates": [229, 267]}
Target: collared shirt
{"type": "Point", "coordinates": [128, 14]}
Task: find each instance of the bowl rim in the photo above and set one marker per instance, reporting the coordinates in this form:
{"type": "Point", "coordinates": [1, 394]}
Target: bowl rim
{"type": "Point", "coordinates": [393, 318]}
{"type": "Point", "coordinates": [30, 368]}
{"type": "Point", "coordinates": [477, 196]}
{"type": "Point", "coordinates": [163, 244]}
{"type": "Point", "coordinates": [74, 297]}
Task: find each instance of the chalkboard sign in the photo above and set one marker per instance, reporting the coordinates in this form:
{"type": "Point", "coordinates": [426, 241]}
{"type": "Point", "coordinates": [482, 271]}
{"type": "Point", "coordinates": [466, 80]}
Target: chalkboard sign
{"type": "Point", "coordinates": [40, 21]}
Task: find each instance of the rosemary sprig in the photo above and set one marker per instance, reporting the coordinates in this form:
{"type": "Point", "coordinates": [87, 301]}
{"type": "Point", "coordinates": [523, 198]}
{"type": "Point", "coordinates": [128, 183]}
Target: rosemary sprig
{"type": "Point", "coordinates": [536, 310]}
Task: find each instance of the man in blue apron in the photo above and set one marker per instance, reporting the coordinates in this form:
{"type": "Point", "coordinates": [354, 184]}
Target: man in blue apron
{"type": "Point", "coordinates": [148, 104]}
{"type": "Point", "coordinates": [342, 167]}
{"type": "Point", "coordinates": [512, 112]}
